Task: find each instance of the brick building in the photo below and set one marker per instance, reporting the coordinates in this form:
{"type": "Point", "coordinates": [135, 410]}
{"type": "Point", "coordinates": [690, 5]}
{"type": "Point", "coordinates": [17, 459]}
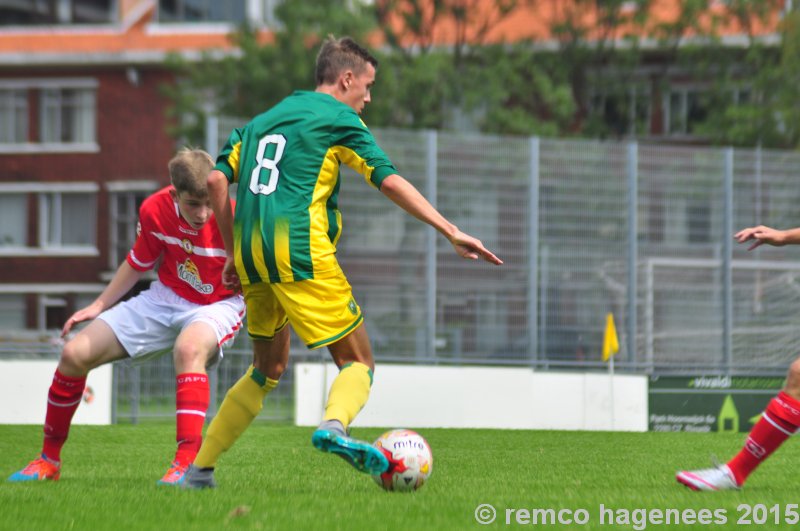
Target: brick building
{"type": "Point", "coordinates": [84, 126]}
{"type": "Point", "coordinates": [84, 139]}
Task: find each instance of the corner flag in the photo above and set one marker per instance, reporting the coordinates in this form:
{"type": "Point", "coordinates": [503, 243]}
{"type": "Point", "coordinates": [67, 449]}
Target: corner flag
{"type": "Point", "coordinates": [610, 341]}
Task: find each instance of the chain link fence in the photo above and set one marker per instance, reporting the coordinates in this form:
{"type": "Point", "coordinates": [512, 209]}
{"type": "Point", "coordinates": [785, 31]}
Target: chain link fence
{"type": "Point", "coordinates": [584, 227]}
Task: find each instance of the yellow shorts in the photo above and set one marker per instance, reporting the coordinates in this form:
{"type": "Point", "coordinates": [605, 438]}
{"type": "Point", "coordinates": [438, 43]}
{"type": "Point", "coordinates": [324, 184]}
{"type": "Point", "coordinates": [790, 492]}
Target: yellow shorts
{"type": "Point", "coordinates": [321, 311]}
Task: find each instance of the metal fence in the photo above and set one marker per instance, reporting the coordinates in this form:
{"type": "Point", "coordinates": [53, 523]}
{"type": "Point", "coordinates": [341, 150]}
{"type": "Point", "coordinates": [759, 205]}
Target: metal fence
{"type": "Point", "coordinates": [584, 228]}
{"type": "Point", "coordinates": [147, 390]}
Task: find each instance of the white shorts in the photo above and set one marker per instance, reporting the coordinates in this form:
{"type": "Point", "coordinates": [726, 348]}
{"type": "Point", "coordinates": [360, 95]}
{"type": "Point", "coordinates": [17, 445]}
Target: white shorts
{"type": "Point", "coordinates": [148, 324]}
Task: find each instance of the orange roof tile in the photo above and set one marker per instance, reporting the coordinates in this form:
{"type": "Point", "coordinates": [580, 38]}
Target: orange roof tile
{"type": "Point", "coordinates": [136, 33]}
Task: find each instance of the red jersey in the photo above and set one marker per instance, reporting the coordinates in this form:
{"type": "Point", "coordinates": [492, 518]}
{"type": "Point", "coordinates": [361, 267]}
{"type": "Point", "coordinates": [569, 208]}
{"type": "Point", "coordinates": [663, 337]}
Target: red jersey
{"type": "Point", "coordinates": [191, 259]}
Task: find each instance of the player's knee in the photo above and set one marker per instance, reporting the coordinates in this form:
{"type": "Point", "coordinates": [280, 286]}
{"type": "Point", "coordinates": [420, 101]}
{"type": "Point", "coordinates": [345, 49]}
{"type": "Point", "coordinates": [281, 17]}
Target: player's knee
{"type": "Point", "coordinates": [188, 355]}
{"type": "Point", "coordinates": [73, 359]}
{"type": "Point", "coordinates": [272, 369]}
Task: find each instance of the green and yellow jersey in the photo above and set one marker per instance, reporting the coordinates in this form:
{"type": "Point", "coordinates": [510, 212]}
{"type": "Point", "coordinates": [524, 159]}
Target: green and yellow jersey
{"type": "Point", "coordinates": [286, 163]}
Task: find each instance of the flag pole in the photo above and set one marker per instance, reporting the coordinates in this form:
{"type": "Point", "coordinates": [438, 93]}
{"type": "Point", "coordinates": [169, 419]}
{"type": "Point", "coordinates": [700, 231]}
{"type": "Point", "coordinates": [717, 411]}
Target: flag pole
{"type": "Point", "coordinates": [610, 347]}
{"type": "Point", "coordinates": [611, 390]}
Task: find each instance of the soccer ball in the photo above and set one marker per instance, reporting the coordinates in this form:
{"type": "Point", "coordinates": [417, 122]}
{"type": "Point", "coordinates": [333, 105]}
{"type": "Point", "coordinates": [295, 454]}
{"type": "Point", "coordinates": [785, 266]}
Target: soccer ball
{"type": "Point", "coordinates": [410, 460]}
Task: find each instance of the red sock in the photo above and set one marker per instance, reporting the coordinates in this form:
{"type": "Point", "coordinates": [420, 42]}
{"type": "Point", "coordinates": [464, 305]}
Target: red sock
{"type": "Point", "coordinates": [191, 403]}
{"type": "Point", "coordinates": [63, 399]}
{"type": "Point", "coordinates": [779, 421]}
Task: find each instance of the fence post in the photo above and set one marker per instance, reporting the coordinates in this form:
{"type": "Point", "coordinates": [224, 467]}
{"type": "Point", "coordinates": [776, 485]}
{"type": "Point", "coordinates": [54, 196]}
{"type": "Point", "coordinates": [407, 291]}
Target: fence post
{"type": "Point", "coordinates": [633, 249]}
{"type": "Point", "coordinates": [431, 190]}
{"type": "Point", "coordinates": [727, 258]}
{"type": "Point", "coordinates": [533, 252]}
{"type": "Point", "coordinates": [212, 134]}
{"type": "Point", "coordinates": [136, 395]}
{"type": "Point", "coordinates": [115, 394]}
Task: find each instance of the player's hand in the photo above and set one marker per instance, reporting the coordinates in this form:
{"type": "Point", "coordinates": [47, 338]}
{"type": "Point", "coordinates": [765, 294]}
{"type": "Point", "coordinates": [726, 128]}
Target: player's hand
{"type": "Point", "coordinates": [469, 247]}
{"type": "Point", "coordinates": [85, 314]}
{"type": "Point", "coordinates": [230, 278]}
{"type": "Point", "coordinates": [761, 235]}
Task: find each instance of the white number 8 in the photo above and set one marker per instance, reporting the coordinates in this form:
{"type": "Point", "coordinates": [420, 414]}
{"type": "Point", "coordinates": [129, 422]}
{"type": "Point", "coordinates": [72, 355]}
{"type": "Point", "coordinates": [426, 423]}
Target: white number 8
{"type": "Point", "coordinates": [270, 164]}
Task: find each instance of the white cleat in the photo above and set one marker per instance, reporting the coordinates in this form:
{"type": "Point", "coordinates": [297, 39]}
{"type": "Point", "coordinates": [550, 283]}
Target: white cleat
{"type": "Point", "coordinates": [717, 478]}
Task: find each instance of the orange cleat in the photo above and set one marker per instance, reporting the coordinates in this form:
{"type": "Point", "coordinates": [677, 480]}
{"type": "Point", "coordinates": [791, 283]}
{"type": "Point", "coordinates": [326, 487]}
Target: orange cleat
{"type": "Point", "coordinates": [39, 469]}
{"type": "Point", "coordinates": [174, 475]}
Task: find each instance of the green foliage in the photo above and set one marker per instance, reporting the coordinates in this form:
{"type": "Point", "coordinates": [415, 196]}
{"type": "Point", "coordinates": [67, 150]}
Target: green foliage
{"type": "Point", "coordinates": [260, 74]}
{"type": "Point", "coordinates": [412, 92]}
{"type": "Point", "coordinates": [515, 92]}
{"type": "Point", "coordinates": [764, 75]}
{"type": "Point", "coordinates": [581, 88]}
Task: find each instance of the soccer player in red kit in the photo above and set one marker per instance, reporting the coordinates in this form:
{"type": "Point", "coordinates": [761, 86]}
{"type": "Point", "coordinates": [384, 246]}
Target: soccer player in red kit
{"type": "Point", "coordinates": [186, 311]}
{"type": "Point", "coordinates": [779, 421]}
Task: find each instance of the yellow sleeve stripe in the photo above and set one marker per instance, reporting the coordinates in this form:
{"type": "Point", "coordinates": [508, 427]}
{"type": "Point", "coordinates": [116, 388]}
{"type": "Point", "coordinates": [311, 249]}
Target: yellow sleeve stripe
{"type": "Point", "coordinates": [359, 164]}
{"type": "Point", "coordinates": [233, 160]}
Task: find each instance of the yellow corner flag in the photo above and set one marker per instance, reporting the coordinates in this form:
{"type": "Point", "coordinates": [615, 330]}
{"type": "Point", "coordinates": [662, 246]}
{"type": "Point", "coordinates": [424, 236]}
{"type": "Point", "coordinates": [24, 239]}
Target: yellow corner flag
{"type": "Point", "coordinates": [610, 341]}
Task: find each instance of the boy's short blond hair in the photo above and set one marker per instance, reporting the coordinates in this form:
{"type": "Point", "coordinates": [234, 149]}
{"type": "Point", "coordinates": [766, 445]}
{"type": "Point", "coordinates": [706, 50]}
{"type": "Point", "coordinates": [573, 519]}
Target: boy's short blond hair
{"type": "Point", "coordinates": [188, 171]}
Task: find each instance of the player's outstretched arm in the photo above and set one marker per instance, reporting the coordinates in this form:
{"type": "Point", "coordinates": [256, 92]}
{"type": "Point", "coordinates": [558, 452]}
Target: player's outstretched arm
{"type": "Point", "coordinates": [407, 197]}
{"type": "Point", "coordinates": [762, 234]}
{"type": "Point", "coordinates": [124, 279]}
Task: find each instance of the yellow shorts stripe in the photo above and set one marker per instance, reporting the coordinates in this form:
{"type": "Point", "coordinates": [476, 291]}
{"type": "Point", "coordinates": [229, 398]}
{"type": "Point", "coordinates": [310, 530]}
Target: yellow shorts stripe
{"type": "Point", "coordinates": [338, 336]}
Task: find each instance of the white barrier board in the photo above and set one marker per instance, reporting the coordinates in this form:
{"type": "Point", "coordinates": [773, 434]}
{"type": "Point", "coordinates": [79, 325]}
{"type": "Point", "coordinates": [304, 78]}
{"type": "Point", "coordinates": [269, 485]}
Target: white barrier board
{"type": "Point", "coordinates": [23, 393]}
{"type": "Point", "coordinates": [483, 397]}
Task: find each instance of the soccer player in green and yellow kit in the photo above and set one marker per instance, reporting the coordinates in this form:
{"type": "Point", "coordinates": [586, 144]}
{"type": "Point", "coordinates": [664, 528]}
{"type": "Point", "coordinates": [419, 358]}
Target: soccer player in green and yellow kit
{"type": "Point", "coordinates": [282, 248]}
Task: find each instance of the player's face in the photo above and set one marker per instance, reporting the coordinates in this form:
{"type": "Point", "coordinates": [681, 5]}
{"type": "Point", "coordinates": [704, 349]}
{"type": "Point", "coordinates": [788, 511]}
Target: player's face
{"type": "Point", "coordinates": [358, 87]}
{"type": "Point", "coordinates": [195, 210]}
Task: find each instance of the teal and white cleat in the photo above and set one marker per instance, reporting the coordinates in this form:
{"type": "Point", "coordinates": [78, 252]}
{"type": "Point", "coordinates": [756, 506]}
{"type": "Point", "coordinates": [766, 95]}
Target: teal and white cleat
{"type": "Point", "coordinates": [359, 454]}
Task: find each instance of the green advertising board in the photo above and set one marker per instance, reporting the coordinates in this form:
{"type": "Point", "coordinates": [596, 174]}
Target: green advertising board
{"type": "Point", "coordinates": [709, 403]}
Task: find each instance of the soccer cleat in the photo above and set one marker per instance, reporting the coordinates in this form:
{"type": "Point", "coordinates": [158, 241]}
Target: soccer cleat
{"type": "Point", "coordinates": [174, 475]}
{"type": "Point", "coordinates": [198, 478]}
{"type": "Point", "coordinates": [359, 454]}
{"type": "Point", "coordinates": [39, 469]}
{"type": "Point", "coordinates": [718, 478]}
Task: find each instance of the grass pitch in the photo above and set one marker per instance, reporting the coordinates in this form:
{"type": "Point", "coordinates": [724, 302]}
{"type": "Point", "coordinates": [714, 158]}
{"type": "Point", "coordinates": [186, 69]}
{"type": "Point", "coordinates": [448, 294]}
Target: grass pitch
{"type": "Point", "coordinates": [274, 479]}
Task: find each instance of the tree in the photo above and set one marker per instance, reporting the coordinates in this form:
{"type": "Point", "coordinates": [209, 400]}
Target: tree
{"type": "Point", "coordinates": [614, 64]}
{"type": "Point", "coordinates": [754, 98]}
{"type": "Point", "coordinates": [448, 70]}
{"type": "Point", "coordinates": [262, 72]}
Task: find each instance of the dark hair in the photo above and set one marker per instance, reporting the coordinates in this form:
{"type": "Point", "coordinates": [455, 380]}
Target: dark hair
{"type": "Point", "coordinates": [337, 55]}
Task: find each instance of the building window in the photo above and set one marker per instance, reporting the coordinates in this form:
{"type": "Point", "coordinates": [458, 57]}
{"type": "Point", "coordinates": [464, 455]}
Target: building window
{"type": "Point", "coordinates": [52, 312]}
{"type": "Point", "coordinates": [67, 220]}
{"type": "Point", "coordinates": [94, 11]}
{"type": "Point", "coordinates": [233, 11]}
{"type": "Point", "coordinates": [13, 220]}
{"type": "Point", "coordinates": [40, 12]}
{"type": "Point", "coordinates": [124, 215]}
{"type": "Point", "coordinates": [13, 116]}
{"type": "Point", "coordinates": [68, 115]}
{"type": "Point", "coordinates": [623, 112]}
{"type": "Point", "coordinates": [685, 109]}
{"type": "Point", "coordinates": [12, 311]}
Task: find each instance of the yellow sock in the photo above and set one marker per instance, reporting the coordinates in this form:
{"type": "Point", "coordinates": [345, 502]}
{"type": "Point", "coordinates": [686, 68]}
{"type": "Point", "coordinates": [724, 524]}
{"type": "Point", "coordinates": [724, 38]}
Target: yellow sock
{"type": "Point", "coordinates": [242, 403]}
{"type": "Point", "coordinates": [349, 393]}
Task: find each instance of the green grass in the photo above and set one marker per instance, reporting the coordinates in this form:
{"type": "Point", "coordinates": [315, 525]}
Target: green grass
{"type": "Point", "coordinates": [274, 479]}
